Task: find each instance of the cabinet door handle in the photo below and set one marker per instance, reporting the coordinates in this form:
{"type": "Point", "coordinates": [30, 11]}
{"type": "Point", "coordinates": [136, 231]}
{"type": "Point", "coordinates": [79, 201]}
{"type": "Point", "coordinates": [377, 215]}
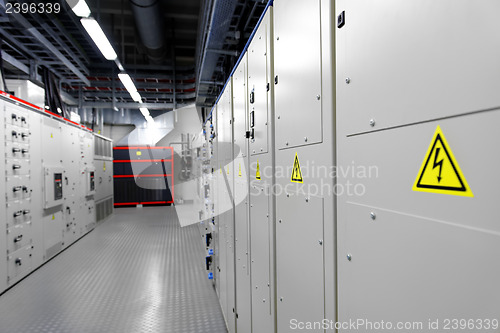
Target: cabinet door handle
{"type": "Point", "coordinates": [16, 166]}
{"type": "Point", "coordinates": [18, 238]}
{"type": "Point", "coordinates": [17, 188]}
{"type": "Point", "coordinates": [18, 262]}
{"type": "Point", "coordinates": [16, 150]}
{"type": "Point", "coordinates": [18, 213]}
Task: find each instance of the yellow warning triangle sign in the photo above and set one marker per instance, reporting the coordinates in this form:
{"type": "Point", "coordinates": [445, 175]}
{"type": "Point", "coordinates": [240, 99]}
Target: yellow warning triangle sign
{"type": "Point", "coordinates": [296, 173]}
{"type": "Point", "coordinates": [440, 172]}
{"type": "Point", "coordinates": [239, 172]}
{"type": "Point", "coordinates": [257, 174]}
{"type": "Point", "coordinates": [228, 169]}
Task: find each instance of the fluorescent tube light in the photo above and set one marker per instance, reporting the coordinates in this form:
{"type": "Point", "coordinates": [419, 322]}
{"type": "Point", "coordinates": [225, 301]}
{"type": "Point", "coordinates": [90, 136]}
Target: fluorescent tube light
{"type": "Point", "coordinates": [150, 120]}
{"type": "Point", "coordinates": [95, 32]}
{"type": "Point", "coordinates": [136, 96]}
{"type": "Point", "coordinates": [81, 9]}
{"type": "Point", "coordinates": [144, 111]}
{"type": "Point", "coordinates": [127, 82]}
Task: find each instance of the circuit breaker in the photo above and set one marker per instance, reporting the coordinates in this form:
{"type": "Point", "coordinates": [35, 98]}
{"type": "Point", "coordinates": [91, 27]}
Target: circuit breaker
{"type": "Point", "coordinates": [54, 185]}
{"type": "Point", "coordinates": [90, 180]}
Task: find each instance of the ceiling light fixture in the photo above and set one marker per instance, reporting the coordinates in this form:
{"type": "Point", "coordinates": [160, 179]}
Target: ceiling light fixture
{"type": "Point", "coordinates": [127, 82]}
{"type": "Point", "coordinates": [136, 96]}
{"type": "Point", "coordinates": [81, 9]}
{"type": "Point", "coordinates": [144, 111]}
{"type": "Point", "coordinates": [95, 32]}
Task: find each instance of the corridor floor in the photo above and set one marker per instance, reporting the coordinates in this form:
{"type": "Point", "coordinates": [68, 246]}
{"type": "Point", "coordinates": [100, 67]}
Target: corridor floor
{"type": "Point", "coordinates": [139, 271]}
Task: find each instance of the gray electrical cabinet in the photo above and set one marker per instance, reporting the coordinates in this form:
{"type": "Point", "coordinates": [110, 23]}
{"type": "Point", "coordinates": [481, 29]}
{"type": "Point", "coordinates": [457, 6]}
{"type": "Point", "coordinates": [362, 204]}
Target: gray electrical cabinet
{"type": "Point", "coordinates": [282, 92]}
{"type": "Point", "coordinates": [417, 109]}
{"type": "Point", "coordinates": [260, 174]}
{"type": "Point", "coordinates": [240, 197]}
{"type": "Point", "coordinates": [225, 192]}
{"type": "Point", "coordinates": [103, 177]}
{"type": "Point", "coordinates": [49, 182]}
{"type": "Point", "coordinates": [305, 154]}
{"type": "Point", "coordinates": [5, 210]}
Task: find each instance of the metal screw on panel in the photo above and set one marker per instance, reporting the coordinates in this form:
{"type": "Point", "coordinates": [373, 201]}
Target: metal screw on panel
{"type": "Point", "coordinates": [348, 80]}
{"type": "Point", "coordinates": [373, 216]}
{"type": "Point", "coordinates": [372, 122]}
{"type": "Point", "coordinates": [279, 221]}
{"type": "Point", "coordinates": [288, 195]}
{"type": "Point", "coordinates": [320, 242]}
{"type": "Point", "coordinates": [261, 149]}
{"type": "Point", "coordinates": [277, 38]}
{"type": "Point", "coordinates": [281, 299]}
{"type": "Point", "coordinates": [349, 257]}
{"type": "Point", "coordinates": [279, 117]}
{"type": "Point", "coordinates": [263, 301]}
{"type": "Point", "coordinates": [307, 199]}
{"type": "Point", "coordinates": [286, 143]}
{"type": "Point", "coordinates": [318, 97]}
{"type": "Point", "coordinates": [305, 139]}
{"type": "Point", "coordinates": [254, 151]}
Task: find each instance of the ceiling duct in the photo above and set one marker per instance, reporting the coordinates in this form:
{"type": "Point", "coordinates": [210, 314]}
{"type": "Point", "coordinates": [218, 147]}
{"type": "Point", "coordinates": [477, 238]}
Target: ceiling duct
{"type": "Point", "coordinates": [149, 23]}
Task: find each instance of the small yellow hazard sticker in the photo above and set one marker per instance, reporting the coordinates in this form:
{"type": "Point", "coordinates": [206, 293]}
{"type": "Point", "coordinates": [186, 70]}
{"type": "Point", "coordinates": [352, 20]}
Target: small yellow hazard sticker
{"type": "Point", "coordinates": [51, 135]}
{"type": "Point", "coordinates": [228, 169]}
{"type": "Point", "coordinates": [104, 166]}
{"type": "Point", "coordinates": [296, 172]}
{"type": "Point", "coordinates": [53, 217]}
{"type": "Point", "coordinates": [139, 153]}
{"type": "Point", "coordinates": [220, 171]}
{"type": "Point", "coordinates": [440, 172]}
{"type": "Point", "coordinates": [239, 172]}
{"type": "Point", "coordinates": [257, 173]}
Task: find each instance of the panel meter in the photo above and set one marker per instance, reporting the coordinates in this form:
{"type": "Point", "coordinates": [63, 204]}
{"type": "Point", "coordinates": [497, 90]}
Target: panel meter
{"type": "Point", "coordinates": [54, 184]}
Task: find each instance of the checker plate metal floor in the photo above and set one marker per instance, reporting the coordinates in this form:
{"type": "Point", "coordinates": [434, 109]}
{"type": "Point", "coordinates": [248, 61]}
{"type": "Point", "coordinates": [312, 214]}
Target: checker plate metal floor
{"type": "Point", "coordinates": [137, 272]}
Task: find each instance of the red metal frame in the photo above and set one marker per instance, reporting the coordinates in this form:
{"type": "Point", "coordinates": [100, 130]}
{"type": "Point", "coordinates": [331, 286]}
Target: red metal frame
{"type": "Point", "coordinates": [171, 160]}
{"type": "Point", "coordinates": [33, 106]}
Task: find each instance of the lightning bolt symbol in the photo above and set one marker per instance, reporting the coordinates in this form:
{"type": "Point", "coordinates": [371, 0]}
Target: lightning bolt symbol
{"type": "Point", "coordinates": [438, 164]}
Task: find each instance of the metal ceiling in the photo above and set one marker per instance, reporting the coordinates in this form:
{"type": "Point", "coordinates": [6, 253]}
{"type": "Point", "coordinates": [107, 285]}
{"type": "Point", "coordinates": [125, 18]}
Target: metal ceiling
{"type": "Point", "coordinates": [203, 40]}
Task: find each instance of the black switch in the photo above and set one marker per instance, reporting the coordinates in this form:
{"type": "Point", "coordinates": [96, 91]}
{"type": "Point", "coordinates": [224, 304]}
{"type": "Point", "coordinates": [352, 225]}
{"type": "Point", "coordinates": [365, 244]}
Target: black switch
{"type": "Point", "coordinates": [341, 20]}
{"type": "Point", "coordinates": [208, 262]}
{"type": "Point", "coordinates": [208, 239]}
{"type": "Point", "coordinates": [252, 97]}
